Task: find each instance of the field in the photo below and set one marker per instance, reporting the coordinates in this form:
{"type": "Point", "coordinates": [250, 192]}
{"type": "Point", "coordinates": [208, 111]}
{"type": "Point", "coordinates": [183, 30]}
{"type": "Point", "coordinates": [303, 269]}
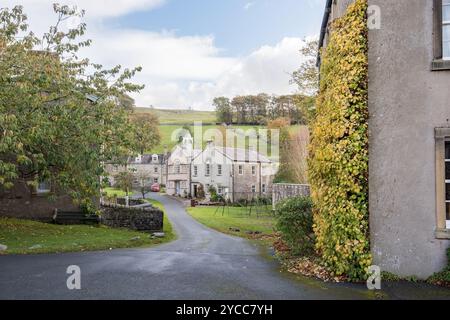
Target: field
{"type": "Point", "coordinates": [180, 117]}
{"type": "Point", "coordinates": [171, 120]}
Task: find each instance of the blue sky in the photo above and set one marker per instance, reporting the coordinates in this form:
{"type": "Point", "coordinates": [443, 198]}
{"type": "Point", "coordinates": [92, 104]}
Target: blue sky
{"type": "Point", "coordinates": [239, 26]}
{"type": "Point", "coordinates": [194, 50]}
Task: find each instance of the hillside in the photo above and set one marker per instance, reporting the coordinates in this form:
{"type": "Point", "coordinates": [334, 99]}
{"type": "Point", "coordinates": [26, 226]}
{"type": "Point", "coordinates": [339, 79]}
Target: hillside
{"type": "Point", "coordinates": [181, 117]}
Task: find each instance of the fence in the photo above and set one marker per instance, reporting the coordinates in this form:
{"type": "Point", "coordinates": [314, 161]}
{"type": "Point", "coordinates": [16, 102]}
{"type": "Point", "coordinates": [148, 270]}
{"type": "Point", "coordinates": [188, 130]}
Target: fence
{"type": "Point", "coordinates": [282, 191]}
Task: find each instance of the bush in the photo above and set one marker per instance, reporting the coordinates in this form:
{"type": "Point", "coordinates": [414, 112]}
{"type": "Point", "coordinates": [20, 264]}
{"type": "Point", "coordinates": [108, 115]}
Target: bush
{"type": "Point", "coordinates": [338, 166]}
{"type": "Point", "coordinates": [295, 222]}
{"type": "Point", "coordinates": [443, 277]}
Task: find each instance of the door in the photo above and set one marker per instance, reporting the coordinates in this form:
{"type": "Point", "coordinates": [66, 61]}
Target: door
{"type": "Point", "coordinates": [195, 191]}
{"type": "Point", "coordinates": [177, 188]}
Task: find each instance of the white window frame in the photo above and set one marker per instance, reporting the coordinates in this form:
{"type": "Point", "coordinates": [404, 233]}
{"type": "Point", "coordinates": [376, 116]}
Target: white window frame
{"type": "Point", "coordinates": [240, 169]}
{"type": "Point", "coordinates": [253, 188]}
{"type": "Point", "coordinates": [219, 169]}
{"type": "Point", "coordinates": [155, 170]}
{"type": "Point", "coordinates": [208, 169]}
{"type": "Point", "coordinates": [253, 170]}
{"type": "Point", "coordinates": [445, 23]}
{"type": "Point", "coordinates": [264, 188]}
{"type": "Point", "coordinates": [442, 137]}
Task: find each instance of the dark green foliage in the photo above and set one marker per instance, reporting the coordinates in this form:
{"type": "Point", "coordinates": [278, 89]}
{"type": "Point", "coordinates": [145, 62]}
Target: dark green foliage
{"type": "Point", "coordinates": [295, 222]}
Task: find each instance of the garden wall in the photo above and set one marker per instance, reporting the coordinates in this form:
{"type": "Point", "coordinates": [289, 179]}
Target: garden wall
{"type": "Point", "coordinates": [140, 219]}
{"type": "Point", "coordinates": [282, 191]}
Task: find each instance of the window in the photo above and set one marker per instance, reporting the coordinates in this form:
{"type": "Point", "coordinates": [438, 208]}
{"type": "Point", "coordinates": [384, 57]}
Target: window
{"type": "Point", "coordinates": [219, 169]}
{"type": "Point", "coordinates": [43, 187]}
{"type": "Point", "coordinates": [253, 170]}
{"type": "Point", "coordinates": [208, 169]}
{"type": "Point", "coordinates": [441, 35]}
{"type": "Point", "coordinates": [447, 183]}
{"type": "Point", "coordinates": [177, 168]}
{"type": "Point", "coordinates": [253, 188]}
{"type": "Point", "coordinates": [446, 29]}
{"type": "Point", "coordinates": [241, 169]}
{"type": "Point", "coordinates": [195, 171]}
{"type": "Point", "coordinates": [155, 180]}
{"type": "Point", "coordinates": [116, 168]}
{"type": "Point", "coordinates": [155, 158]}
{"type": "Point", "coordinates": [155, 169]}
{"type": "Point", "coordinates": [443, 183]}
{"type": "Point", "coordinates": [220, 190]}
{"type": "Point", "coordinates": [264, 188]}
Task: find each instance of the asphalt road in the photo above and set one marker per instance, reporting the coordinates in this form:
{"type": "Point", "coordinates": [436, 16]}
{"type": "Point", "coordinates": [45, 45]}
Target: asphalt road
{"type": "Point", "coordinates": [200, 264]}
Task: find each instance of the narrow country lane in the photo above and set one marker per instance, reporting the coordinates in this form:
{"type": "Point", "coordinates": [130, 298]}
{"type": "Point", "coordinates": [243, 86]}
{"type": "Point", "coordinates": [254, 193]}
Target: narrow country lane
{"type": "Point", "coordinates": [200, 264]}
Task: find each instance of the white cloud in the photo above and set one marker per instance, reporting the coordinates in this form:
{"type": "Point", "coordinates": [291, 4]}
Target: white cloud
{"type": "Point", "coordinates": [248, 5]}
{"type": "Point", "coordinates": [266, 70]}
{"type": "Point", "coordinates": [178, 71]}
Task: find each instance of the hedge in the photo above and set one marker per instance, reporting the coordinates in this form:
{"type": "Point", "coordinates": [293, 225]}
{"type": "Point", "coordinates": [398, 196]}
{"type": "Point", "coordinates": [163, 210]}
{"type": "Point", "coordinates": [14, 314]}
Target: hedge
{"type": "Point", "coordinates": [338, 166]}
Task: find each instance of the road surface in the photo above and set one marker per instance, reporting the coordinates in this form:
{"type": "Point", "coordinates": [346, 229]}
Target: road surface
{"type": "Point", "coordinates": [200, 264]}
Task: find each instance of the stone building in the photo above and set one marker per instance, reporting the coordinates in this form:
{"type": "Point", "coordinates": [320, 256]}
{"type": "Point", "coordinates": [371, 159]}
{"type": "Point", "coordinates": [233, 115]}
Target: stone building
{"type": "Point", "coordinates": [234, 173]}
{"type": "Point", "coordinates": [150, 166]}
{"type": "Point", "coordinates": [179, 168]}
{"type": "Point", "coordinates": [409, 132]}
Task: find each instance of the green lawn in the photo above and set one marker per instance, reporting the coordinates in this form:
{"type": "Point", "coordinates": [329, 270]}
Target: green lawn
{"type": "Point", "coordinates": [235, 218]}
{"type": "Point", "coordinates": [112, 191]}
{"type": "Point", "coordinates": [21, 235]}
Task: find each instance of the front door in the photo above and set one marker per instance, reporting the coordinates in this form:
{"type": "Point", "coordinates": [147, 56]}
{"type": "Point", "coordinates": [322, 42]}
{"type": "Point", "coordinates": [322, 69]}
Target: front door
{"type": "Point", "coordinates": [177, 188]}
{"type": "Point", "coordinates": [195, 191]}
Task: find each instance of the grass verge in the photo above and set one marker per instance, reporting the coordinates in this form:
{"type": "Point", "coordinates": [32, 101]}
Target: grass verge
{"type": "Point", "coordinates": [236, 221]}
{"type": "Point", "coordinates": [30, 237]}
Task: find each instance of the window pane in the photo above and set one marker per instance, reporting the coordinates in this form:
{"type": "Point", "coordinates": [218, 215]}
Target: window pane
{"type": "Point", "coordinates": [446, 10]}
{"type": "Point", "coordinates": [447, 171]}
{"type": "Point", "coordinates": [447, 191]}
{"type": "Point", "coordinates": [447, 150]}
{"type": "Point", "coordinates": [446, 32]}
{"type": "Point", "coordinates": [448, 211]}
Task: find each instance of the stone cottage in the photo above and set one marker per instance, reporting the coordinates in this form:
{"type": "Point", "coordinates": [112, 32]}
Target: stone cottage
{"type": "Point", "coordinates": [235, 173]}
{"type": "Point", "coordinates": [179, 168]}
{"type": "Point", "coordinates": [409, 132]}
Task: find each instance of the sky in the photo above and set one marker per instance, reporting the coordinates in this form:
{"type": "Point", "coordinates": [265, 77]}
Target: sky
{"type": "Point", "coordinates": [194, 50]}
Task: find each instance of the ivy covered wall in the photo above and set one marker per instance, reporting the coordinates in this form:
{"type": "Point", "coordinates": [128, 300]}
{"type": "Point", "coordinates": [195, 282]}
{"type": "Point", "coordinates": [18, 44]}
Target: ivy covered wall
{"type": "Point", "coordinates": [338, 165]}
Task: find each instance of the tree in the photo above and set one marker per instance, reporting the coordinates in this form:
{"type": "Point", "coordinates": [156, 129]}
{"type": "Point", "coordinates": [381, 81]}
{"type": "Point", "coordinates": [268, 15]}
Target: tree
{"type": "Point", "coordinates": [307, 76]}
{"type": "Point", "coordinates": [124, 181]}
{"type": "Point", "coordinates": [59, 116]}
{"type": "Point", "coordinates": [145, 131]}
{"type": "Point", "coordinates": [143, 178]}
{"type": "Point", "coordinates": [224, 110]}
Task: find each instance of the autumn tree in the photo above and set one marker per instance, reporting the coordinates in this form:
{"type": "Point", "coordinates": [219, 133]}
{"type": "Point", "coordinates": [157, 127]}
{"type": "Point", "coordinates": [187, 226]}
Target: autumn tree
{"type": "Point", "coordinates": [59, 116]}
{"type": "Point", "coordinates": [224, 111]}
{"type": "Point", "coordinates": [145, 131]}
{"type": "Point", "coordinates": [307, 76]}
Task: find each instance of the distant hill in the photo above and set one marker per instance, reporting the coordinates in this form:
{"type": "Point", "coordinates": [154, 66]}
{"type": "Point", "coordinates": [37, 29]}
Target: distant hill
{"type": "Point", "coordinates": [169, 116]}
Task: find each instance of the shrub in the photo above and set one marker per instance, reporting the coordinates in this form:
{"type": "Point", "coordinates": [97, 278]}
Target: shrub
{"type": "Point", "coordinates": [338, 166]}
{"type": "Point", "coordinates": [295, 222]}
{"type": "Point", "coordinates": [443, 277]}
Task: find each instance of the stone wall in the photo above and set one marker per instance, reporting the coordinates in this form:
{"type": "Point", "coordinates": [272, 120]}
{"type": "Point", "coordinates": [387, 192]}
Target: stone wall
{"type": "Point", "coordinates": [140, 219]}
{"type": "Point", "coordinates": [21, 203]}
{"type": "Point", "coordinates": [282, 191]}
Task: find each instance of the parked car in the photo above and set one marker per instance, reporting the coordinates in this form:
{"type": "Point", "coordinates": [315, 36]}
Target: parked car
{"type": "Point", "coordinates": [155, 187]}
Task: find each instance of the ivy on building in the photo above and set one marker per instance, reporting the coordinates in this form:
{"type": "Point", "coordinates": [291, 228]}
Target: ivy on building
{"type": "Point", "coordinates": [338, 167]}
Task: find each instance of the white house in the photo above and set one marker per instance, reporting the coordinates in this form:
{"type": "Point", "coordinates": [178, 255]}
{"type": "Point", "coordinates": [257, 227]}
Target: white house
{"type": "Point", "coordinates": [235, 173]}
{"type": "Point", "coordinates": [179, 166]}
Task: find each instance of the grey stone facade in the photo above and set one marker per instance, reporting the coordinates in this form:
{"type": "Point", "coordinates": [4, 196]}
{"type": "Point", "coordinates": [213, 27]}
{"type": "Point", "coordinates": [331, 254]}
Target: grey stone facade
{"type": "Point", "coordinates": [407, 102]}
